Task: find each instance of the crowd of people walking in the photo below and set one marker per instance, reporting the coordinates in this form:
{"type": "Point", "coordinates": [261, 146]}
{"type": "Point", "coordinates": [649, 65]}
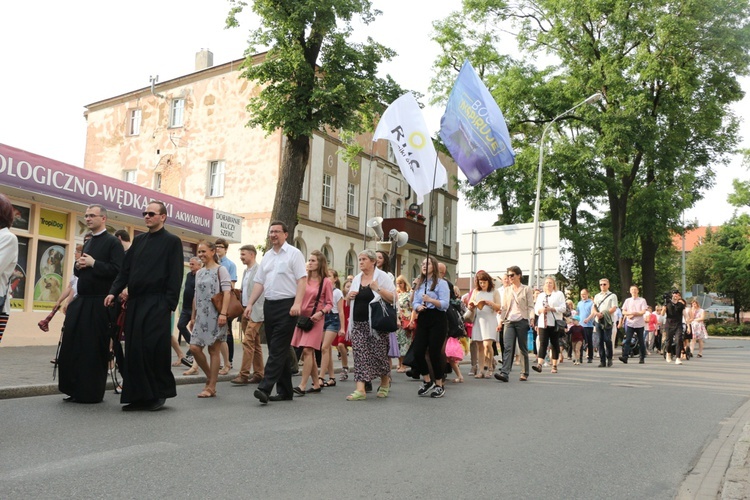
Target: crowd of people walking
{"type": "Point", "coordinates": [427, 327]}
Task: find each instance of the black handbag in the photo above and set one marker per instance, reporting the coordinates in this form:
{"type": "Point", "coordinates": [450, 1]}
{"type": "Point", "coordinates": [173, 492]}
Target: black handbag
{"type": "Point", "coordinates": [560, 326]}
{"type": "Point", "coordinates": [383, 316]}
{"type": "Point", "coordinates": [305, 323]}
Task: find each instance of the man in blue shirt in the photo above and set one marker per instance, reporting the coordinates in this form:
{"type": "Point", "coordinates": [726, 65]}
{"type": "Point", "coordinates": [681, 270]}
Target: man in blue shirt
{"type": "Point", "coordinates": [227, 350]}
{"type": "Point", "coordinates": [584, 312]}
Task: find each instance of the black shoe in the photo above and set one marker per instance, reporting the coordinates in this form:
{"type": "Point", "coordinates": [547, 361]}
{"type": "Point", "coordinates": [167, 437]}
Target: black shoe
{"type": "Point", "coordinates": [185, 361]}
{"type": "Point", "coordinates": [602, 364]}
{"type": "Point", "coordinates": [261, 396]}
{"type": "Point", "coordinates": [154, 404]}
{"type": "Point", "coordinates": [623, 359]}
{"type": "Point", "coordinates": [135, 406]}
{"type": "Point", "coordinates": [590, 360]}
{"type": "Point", "coordinates": [280, 397]}
{"type": "Point", "coordinates": [537, 368]}
{"type": "Point", "coordinates": [368, 386]}
{"type": "Point", "coordinates": [313, 390]}
{"type": "Point", "coordinates": [641, 362]}
{"type": "Point", "coordinates": [609, 362]}
{"type": "Point", "coordinates": [70, 399]}
{"type": "Point", "coordinates": [501, 377]}
{"type": "Point", "coordinates": [298, 391]}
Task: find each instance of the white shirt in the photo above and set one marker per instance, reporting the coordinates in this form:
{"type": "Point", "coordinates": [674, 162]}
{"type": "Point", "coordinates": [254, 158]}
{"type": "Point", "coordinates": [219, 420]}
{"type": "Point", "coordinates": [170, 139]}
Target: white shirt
{"type": "Point", "coordinates": [256, 315]}
{"type": "Point", "coordinates": [635, 305]}
{"type": "Point", "coordinates": [557, 300]}
{"type": "Point", "coordinates": [337, 295]}
{"type": "Point", "coordinates": [8, 259]}
{"type": "Point", "coordinates": [279, 272]}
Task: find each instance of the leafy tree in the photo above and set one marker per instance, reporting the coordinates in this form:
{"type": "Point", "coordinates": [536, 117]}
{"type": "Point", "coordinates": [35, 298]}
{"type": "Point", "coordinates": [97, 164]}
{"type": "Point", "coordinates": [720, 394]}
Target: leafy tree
{"type": "Point", "coordinates": [668, 72]}
{"type": "Point", "coordinates": [741, 195]}
{"type": "Point", "coordinates": [722, 262]}
{"type": "Point", "coordinates": [312, 77]}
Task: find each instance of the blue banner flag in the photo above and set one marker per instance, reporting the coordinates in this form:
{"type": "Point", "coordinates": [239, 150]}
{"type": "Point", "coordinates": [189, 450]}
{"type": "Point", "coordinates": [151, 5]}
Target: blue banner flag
{"type": "Point", "coordinates": [473, 128]}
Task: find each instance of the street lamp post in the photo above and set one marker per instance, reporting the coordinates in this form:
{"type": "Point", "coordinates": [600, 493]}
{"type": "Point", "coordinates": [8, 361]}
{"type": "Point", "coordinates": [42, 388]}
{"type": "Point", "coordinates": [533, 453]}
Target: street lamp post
{"type": "Point", "coordinates": [535, 251]}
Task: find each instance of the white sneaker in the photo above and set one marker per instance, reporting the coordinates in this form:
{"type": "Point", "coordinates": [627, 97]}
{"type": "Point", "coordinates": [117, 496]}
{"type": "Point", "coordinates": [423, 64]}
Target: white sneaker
{"type": "Point", "coordinates": [669, 358]}
{"type": "Point", "coordinates": [678, 361]}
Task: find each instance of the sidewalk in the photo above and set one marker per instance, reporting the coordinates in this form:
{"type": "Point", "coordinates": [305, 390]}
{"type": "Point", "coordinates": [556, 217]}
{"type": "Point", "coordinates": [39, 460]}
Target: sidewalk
{"type": "Point", "coordinates": [27, 371]}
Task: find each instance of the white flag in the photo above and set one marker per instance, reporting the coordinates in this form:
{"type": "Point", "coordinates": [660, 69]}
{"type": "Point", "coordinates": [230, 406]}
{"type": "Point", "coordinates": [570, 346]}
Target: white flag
{"type": "Point", "coordinates": [403, 125]}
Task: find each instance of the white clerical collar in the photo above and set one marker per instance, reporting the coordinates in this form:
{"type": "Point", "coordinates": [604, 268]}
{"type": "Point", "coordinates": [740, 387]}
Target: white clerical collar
{"type": "Point", "coordinates": [100, 232]}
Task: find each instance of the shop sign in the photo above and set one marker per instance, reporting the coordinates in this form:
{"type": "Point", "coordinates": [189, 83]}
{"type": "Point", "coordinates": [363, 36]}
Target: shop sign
{"type": "Point", "coordinates": [227, 226]}
{"type": "Point", "coordinates": [53, 224]}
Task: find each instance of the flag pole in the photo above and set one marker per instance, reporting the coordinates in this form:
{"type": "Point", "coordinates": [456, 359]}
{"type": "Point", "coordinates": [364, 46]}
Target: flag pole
{"type": "Point", "coordinates": [429, 218]}
{"type": "Point", "coordinates": [367, 199]}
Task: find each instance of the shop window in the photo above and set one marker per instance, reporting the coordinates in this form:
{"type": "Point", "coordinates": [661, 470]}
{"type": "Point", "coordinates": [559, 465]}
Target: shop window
{"type": "Point", "coordinates": [18, 278]}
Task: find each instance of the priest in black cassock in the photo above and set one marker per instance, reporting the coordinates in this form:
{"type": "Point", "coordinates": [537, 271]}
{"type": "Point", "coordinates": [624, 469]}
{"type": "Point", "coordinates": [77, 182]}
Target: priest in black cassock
{"type": "Point", "coordinates": [84, 353]}
{"type": "Point", "coordinates": [152, 272]}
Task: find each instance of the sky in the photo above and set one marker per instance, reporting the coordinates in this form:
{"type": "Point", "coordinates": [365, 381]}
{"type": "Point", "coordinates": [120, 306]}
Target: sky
{"type": "Point", "coordinates": [58, 59]}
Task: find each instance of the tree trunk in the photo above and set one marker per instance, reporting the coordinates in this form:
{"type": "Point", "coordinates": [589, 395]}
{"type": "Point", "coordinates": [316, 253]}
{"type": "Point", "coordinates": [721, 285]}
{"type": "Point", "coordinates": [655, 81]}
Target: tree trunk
{"type": "Point", "coordinates": [648, 268]}
{"type": "Point", "coordinates": [291, 178]}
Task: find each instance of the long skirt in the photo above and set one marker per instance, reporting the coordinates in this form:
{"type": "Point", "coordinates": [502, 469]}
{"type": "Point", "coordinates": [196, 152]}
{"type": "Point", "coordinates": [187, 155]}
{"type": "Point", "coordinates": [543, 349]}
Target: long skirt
{"type": "Point", "coordinates": [371, 359]}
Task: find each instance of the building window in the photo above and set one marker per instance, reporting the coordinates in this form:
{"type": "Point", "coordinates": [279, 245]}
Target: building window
{"type": "Point", "coordinates": [433, 227]}
{"type": "Point", "coordinates": [328, 253]}
{"type": "Point", "coordinates": [397, 209]}
{"type": "Point", "coordinates": [177, 113]}
{"type": "Point", "coordinates": [386, 207]}
{"type": "Point", "coordinates": [415, 272]}
{"type": "Point", "coordinates": [305, 185]}
{"type": "Point", "coordinates": [351, 200]}
{"type": "Point", "coordinates": [300, 244]}
{"type": "Point", "coordinates": [157, 181]}
{"type": "Point", "coordinates": [134, 125]}
{"type": "Point", "coordinates": [327, 191]}
{"type": "Point", "coordinates": [216, 178]}
{"type": "Point", "coordinates": [351, 258]}
{"type": "Point", "coordinates": [130, 176]}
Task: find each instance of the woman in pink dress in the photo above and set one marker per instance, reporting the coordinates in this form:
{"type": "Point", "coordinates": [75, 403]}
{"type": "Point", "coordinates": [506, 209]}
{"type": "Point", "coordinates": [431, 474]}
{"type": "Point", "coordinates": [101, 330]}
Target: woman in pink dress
{"type": "Point", "coordinates": [317, 302]}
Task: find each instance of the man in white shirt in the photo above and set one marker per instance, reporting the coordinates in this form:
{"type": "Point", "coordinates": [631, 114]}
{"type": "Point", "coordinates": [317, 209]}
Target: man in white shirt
{"type": "Point", "coordinates": [605, 305]}
{"type": "Point", "coordinates": [634, 310]}
{"type": "Point", "coordinates": [282, 276]}
{"type": "Point", "coordinates": [252, 353]}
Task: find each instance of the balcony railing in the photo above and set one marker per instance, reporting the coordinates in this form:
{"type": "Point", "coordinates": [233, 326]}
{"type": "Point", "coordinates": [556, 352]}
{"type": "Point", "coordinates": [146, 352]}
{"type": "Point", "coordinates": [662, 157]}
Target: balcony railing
{"type": "Point", "coordinates": [415, 230]}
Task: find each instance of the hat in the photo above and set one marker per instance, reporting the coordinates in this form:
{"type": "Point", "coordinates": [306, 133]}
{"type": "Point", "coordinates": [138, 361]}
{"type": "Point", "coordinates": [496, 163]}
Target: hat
{"type": "Point", "coordinates": [576, 318]}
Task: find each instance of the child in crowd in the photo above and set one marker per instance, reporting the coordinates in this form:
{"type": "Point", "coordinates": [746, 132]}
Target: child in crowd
{"type": "Point", "coordinates": [576, 338]}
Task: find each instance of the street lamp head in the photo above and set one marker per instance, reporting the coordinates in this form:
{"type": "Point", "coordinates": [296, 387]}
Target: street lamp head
{"type": "Point", "coordinates": [593, 98]}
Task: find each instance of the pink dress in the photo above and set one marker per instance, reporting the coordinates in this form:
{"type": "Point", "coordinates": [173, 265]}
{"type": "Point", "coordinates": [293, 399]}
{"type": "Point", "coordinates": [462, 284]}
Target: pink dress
{"type": "Point", "coordinates": [314, 338]}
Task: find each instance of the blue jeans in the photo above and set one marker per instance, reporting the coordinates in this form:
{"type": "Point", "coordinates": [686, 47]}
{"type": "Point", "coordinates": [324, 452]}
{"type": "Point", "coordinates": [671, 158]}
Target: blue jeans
{"type": "Point", "coordinates": [515, 333]}
{"type": "Point", "coordinates": [605, 343]}
{"type": "Point", "coordinates": [629, 330]}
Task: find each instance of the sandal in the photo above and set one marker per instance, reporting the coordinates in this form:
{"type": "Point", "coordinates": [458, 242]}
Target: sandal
{"type": "Point", "coordinates": [344, 374]}
{"type": "Point", "coordinates": [554, 369]}
{"type": "Point", "coordinates": [523, 378]}
{"type": "Point", "coordinates": [383, 391]}
{"type": "Point", "coordinates": [331, 383]}
{"type": "Point", "coordinates": [177, 363]}
{"type": "Point", "coordinates": [356, 396]}
{"type": "Point", "coordinates": [207, 393]}
{"type": "Point", "coordinates": [192, 371]}
{"type": "Point", "coordinates": [537, 368]}
{"type": "Point", "coordinates": [458, 380]}
{"type": "Point", "coordinates": [225, 370]}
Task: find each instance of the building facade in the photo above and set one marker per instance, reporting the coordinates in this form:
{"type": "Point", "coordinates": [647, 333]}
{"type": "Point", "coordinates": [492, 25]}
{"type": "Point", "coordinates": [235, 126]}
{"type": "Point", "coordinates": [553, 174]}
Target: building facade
{"type": "Point", "coordinates": [187, 137]}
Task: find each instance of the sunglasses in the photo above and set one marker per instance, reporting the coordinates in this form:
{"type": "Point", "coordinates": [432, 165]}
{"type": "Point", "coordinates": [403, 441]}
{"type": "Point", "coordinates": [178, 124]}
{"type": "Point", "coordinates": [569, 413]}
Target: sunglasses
{"type": "Point", "coordinates": [511, 275]}
{"type": "Point", "coordinates": [603, 284]}
{"type": "Point", "coordinates": [150, 214]}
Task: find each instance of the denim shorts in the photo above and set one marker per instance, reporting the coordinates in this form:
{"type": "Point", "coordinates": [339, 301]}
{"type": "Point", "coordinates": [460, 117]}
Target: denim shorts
{"type": "Point", "coordinates": [333, 323]}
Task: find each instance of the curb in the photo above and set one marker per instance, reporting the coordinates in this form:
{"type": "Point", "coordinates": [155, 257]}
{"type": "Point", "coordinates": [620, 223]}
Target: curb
{"type": "Point", "coordinates": [27, 391]}
{"type": "Point", "coordinates": [719, 470]}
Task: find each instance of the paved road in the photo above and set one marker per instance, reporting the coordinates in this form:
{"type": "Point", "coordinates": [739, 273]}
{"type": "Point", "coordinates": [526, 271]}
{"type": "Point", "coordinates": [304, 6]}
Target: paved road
{"type": "Point", "coordinates": [632, 431]}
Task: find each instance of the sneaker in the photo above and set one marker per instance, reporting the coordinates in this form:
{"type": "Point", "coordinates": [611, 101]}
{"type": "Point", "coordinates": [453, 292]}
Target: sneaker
{"type": "Point", "coordinates": [437, 392]}
{"type": "Point", "coordinates": [623, 359]}
{"type": "Point", "coordinates": [187, 362]}
{"type": "Point", "coordinates": [190, 359]}
{"type": "Point", "coordinates": [426, 389]}
{"type": "Point", "coordinates": [609, 362]}
{"type": "Point", "coordinates": [669, 358]}
{"type": "Point", "coordinates": [678, 361]}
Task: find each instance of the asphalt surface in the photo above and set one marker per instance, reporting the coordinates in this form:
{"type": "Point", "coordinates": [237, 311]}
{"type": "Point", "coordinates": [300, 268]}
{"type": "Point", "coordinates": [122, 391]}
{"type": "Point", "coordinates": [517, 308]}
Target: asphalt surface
{"type": "Point", "coordinates": [636, 431]}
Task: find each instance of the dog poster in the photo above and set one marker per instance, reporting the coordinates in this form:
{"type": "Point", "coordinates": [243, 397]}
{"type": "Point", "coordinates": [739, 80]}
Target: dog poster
{"type": "Point", "coordinates": [49, 275]}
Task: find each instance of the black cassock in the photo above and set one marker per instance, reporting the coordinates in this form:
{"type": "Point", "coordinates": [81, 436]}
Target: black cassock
{"type": "Point", "coordinates": [84, 353]}
{"type": "Point", "coordinates": [152, 272]}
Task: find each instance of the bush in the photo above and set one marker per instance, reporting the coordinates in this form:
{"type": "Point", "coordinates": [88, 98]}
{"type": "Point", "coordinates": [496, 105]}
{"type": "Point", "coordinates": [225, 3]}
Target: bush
{"type": "Point", "coordinates": [729, 330]}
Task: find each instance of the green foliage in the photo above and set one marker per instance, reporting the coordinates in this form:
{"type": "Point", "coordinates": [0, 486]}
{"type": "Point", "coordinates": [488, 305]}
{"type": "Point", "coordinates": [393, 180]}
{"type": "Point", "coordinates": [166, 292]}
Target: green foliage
{"type": "Point", "coordinates": [668, 72]}
{"type": "Point", "coordinates": [729, 330]}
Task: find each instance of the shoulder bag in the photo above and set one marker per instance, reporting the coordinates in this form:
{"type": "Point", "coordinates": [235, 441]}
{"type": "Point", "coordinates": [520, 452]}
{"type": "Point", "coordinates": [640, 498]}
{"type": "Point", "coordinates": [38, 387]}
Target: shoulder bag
{"type": "Point", "coordinates": [235, 309]}
{"type": "Point", "coordinates": [305, 323]}
{"type": "Point", "coordinates": [383, 316]}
